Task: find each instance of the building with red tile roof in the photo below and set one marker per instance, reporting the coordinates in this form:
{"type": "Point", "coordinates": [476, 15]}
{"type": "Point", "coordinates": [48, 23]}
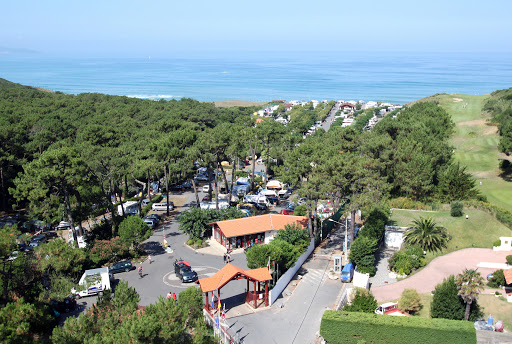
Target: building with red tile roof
{"type": "Point", "coordinates": [246, 231]}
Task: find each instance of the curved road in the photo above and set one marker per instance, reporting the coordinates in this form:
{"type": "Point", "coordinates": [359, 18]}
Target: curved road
{"type": "Point", "coordinates": [441, 267]}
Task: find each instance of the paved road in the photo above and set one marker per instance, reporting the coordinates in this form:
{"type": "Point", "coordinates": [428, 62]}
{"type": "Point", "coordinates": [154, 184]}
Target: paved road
{"type": "Point", "coordinates": [299, 320]}
{"type": "Point", "coordinates": [440, 268]}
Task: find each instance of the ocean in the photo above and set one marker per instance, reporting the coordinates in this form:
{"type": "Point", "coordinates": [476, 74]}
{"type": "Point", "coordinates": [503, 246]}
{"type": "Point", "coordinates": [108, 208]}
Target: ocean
{"type": "Point", "coordinates": [396, 77]}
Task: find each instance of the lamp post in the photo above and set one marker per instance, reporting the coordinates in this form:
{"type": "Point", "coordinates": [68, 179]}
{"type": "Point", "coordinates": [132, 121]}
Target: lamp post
{"type": "Point", "coordinates": [345, 243]}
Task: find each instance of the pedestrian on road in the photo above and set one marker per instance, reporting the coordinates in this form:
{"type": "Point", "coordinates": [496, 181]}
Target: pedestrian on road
{"type": "Point", "coordinates": [229, 258]}
{"type": "Point", "coordinates": [169, 295]}
{"type": "Point", "coordinates": [149, 259]}
{"type": "Point", "coordinates": [174, 296]}
{"type": "Point", "coordinates": [140, 271]}
{"type": "Point", "coordinates": [225, 258]}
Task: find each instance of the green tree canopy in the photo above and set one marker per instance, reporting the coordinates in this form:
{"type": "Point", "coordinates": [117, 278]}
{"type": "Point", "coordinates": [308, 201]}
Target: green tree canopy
{"type": "Point", "coordinates": [425, 233]}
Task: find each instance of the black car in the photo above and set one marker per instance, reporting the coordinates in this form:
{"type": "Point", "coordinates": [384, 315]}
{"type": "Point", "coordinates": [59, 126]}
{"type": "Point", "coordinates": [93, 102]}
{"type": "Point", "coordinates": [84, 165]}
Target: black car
{"type": "Point", "coordinates": [155, 217]}
{"type": "Point", "coordinates": [177, 188]}
{"type": "Point", "coordinates": [65, 306]}
{"type": "Point", "coordinates": [38, 240]}
{"type": "Point", "coordinates": [184, 272]}
{"type": "Point", "coordinates": [51, 235]}
{"type": "Point", "coordinates": [187, 184]}
{"type": "Point", "coordinates": [201, 178]}
{"type": "Point", "coordinates": [120, 267]}
{"type": "Point", "coordinates": [274, 200]}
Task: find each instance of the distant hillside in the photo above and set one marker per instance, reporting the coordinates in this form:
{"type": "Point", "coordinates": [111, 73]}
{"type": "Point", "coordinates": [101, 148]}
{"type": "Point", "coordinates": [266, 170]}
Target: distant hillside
{"type": "Point", "coordinates": [8, 84]}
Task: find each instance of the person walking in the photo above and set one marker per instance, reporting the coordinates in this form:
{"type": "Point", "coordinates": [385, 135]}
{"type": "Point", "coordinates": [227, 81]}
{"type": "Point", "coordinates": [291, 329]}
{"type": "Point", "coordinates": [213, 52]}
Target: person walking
{"type": "Point", "coordinates": [225, 258]}
{"type": "Point", "coordinates": [174, 296]}
{"type": "Point", "coordinates": [149, 259]}
{"type": "Point", "coordinates": [140, 271]}
{"type": "Point", "coordinates": [169, 295]}
{"type": "Point", "coordinates": [228, 258]}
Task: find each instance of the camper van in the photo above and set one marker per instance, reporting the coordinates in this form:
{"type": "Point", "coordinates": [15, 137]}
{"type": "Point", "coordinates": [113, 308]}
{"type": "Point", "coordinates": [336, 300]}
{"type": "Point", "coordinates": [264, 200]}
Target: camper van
{"type": "Point", "coordinates": [94, 281]}
{"type": "Point", "coordinates": [347, 273]}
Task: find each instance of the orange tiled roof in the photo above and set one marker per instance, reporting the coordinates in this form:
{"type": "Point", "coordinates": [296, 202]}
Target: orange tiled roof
{"type": "Point", "coordinates": [258, 224]}
{"type": "Point", "coordinates": [508, 276]}
{"type": "Point", "coordinates": [227, 273]}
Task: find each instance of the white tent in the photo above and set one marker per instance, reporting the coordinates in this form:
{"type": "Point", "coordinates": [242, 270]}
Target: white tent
{"type": "Point", "coordinates": [268, 193]}
{"type": "Point", "coordinates": [274, 184]}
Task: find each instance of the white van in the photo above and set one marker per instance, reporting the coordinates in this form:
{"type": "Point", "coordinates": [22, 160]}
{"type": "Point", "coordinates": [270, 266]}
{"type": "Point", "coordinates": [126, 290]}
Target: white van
{"type": "Point", "coordinates": [162, 206]}
{"type": "Point", "coordinates": [206, 188]}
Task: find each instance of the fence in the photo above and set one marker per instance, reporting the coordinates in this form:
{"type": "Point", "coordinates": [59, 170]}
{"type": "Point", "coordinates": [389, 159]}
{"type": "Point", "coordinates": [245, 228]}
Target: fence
{"type": "Point", "coordinates": [288, 275]}
{"type": "Point", "coordinates": [220, 333]}
{"type": "Point", "coordinates": [342, 299]}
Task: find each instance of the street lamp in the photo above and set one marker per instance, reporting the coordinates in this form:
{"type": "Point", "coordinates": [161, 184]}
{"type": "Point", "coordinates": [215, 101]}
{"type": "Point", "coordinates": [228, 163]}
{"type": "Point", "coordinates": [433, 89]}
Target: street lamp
{"type": "Point", "coordinates": [345, 244]}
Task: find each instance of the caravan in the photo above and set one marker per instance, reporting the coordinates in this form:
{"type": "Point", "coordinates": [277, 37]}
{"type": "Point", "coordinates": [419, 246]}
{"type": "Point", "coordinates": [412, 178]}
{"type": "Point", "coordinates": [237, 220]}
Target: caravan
{"type": "Point", "coordinates": [94, 281]}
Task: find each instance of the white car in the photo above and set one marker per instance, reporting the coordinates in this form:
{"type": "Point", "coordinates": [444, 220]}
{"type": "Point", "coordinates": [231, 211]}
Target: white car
{"type": "Point", "coordinates": [206, 188]}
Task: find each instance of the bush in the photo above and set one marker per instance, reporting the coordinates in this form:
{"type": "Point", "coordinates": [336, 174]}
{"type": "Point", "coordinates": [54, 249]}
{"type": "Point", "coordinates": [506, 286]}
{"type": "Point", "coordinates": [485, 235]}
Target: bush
{"type": "Point", "coordinates": [362, 247]}
{"type": "Point", "coordinates": [406, 260]}
{"type": "Point", "coordinates": [410, 301]}
{"type": "Point", "coordinates": [497, 280]}
{"type": "Point", "coordinates": [456, 208]}
{"type": "Point", "coordinates": [504, 164]}
{"type": "Point", "coordinates": [190, 242]}
{"type": "Point", "coordinates": [353, 327]}
{"type": "Point", "coordinates": [199, 243]}
{"type": "Point", "coordinates": [496, 243]}
{"type": "Point", "coordinates": [301, 210]}
{"type": "Point", "coordinates": [407, 203]}
{"type": "Point", "coordinates": [108, 251]}
{"type": "Point", "coordinates": [362, 301]}
{"type": "Point", "coordinates": [509, 259]}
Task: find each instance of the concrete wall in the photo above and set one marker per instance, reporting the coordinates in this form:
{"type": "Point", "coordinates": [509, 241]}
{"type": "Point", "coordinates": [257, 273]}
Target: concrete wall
{"type": "Point", "coordinates": [287, 277]}
{"type": "Point", "coordinates": [394, 237]}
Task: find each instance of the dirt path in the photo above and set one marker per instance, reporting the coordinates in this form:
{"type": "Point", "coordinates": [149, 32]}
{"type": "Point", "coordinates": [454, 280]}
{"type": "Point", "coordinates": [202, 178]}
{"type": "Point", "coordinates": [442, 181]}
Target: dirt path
{"type": "Point", "coordinates": [440, 268]}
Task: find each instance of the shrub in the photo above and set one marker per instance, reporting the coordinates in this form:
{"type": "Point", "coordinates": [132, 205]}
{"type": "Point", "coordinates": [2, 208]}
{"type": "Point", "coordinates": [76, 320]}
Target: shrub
{"type": "Point", "coordinates": [407, 203]}
{"type": "Point", "coordinates": [410, 301]}
{"type": "Point", "coordinates": [406, 260]}
{"type": "Point", "coordinates": [361, 247]}
{"type": "Point", "coordinates": [448, 304]}
{"type": "Point", "coordinates": [497, 280]}
{"type": "Point", "coordinates": [301, 210]}
{"type": "Point", "coordinates": [362, 301]}
{"type": "Point", "coordinates": [190, 242]}
{"type": "Point", "coordinates": [199, 243]}
{"type": "Point", "coordinates": [509, 259]}
{"type": "Point", "coordinates": [456, 208]}
{"type": "Point", "coordinates": [504, 164]}
{"type": "Point", "coordinates": [496, 243]}
{"type": "Point", "coordinates": [108, 251]}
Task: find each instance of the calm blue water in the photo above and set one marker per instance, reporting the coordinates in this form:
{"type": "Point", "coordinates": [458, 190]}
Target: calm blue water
{"type": "Point", "coordinates": [393, 77]}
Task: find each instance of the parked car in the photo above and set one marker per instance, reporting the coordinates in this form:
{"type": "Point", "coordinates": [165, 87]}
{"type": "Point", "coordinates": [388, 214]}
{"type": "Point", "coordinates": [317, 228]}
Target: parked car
{"type": "Point", "coordinates": [38, 240]}
{"type": "Point", "coordinates": [287, 211]}
{"type": "Point", "coordinates": [184, 272]}
{"type": "Point", "coordinates": [177, 188]}
{"type": "Point", "coordinates": [206, 198]}
{"type": "Point", "coordinates": [347, 273]}
{"type": "Point", "coordinates": [145, 202]}
{"type": "Point", "coordinates": [150, 222]}
{"type": "Point", "coordinates": [206, 188]}
{"type": "Point", "coordinates": [187, 184]}
{"type": "Point", "coordinates": [155, 217]}
{"type": "Point", "coordinates": [65, 306]}
{"type": "Point", "coordinates": [123, 266]}
{"type": "Point", "coordinates": [291, 205]}
{"type": "Point", "coordinates": [162, 206]}
{"type": "Point", "coordinates": [51, 235]}
{"type": "Point", "coordinates": [274, 200]}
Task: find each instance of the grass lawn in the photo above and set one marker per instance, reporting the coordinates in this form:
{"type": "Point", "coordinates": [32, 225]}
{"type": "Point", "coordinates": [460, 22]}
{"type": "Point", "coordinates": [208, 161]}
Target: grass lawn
{"type": "Point", "coordinates": [481, 230]}
{"type": "Point", "coordinates": [475, 142]}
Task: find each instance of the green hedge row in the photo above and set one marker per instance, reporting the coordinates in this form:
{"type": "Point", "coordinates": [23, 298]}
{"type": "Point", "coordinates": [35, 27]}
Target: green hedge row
{"type": "Point", "coordinates": [351, 327]}
{"type": "Point", "coordinates": [148, 207]}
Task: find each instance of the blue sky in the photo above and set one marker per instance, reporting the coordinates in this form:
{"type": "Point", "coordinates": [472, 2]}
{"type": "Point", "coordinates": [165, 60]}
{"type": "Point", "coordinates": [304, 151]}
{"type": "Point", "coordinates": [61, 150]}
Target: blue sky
{"type": "Point", "coordinates": [163, 28]}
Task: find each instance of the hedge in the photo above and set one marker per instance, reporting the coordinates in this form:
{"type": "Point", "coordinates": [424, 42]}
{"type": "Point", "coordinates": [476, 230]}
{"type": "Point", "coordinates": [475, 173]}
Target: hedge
{"type": "Point", "coordinates": [353, 327]}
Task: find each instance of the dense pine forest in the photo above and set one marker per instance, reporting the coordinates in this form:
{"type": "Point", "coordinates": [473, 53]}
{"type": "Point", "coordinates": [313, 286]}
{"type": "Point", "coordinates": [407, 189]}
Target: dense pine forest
{"type": "Point", "coordinates": [67, 157]}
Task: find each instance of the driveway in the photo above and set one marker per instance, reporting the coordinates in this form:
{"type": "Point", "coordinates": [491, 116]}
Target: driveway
{"type": "Point", "coordinates": [441, 267]}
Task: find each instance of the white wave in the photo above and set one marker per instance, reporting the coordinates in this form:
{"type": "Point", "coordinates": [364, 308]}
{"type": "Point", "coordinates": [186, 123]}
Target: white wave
{"type": "Point", "coordinates": [153, 97]}
{"type": "Point", "coordinates": [224, 72]}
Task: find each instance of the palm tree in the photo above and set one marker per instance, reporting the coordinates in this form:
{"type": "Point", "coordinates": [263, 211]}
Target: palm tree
{"type": "Point", "coordinates": [469, 283]}
{"type": "Point", "coordinates": [425, 233]}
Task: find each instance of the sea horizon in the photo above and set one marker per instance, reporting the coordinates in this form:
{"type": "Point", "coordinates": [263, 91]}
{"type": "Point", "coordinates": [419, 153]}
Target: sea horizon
{"type": "Point", "coordinates": [393, 76]}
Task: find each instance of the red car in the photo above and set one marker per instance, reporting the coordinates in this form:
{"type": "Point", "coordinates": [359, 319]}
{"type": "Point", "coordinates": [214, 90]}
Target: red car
{"type": "Point", "coordinates": [287, 211]}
